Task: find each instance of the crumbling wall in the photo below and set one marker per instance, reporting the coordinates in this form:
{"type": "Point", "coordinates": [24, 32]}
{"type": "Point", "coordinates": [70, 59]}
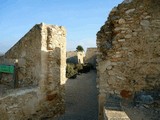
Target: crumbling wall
{"type": "Point", "coordinates": [5, 61]}
{"type": "Point", "coordinates": [19, 106]}
{"type": "Point", "coordinates": [91, 56]}
{"type": "Point", "coordinates": [75, 57]}
{"type": "Point", "coordinates": [7, 78]}
{"type": "Point", "coordinates": [43, 52]}
{"type": "Point", "coordinates": [128, 49]}
{"type": "Point", "coordinates": [128, 45]}
{"type": "Point", "coordinates": [28, 53]}
{"type": "Point", "coordinates": [71, 57]}
{"type": "Point", "coordinates": [80, 56]}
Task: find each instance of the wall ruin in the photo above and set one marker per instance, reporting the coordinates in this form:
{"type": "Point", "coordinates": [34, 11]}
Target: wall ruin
{"type": "Point", "coordinates": [41, 56]}
{"type": "Point", "coordinates": [75, 57]}
{"type": "Point", "coordinates": [80, 56]}
{"type": "Point", "coordinates": [128, 49]}
{"type": "Point", "coordinates": [71, 57]}
{"type": "Point", "coordinates": [6, 78]}
{"type": "Point", "coordinates": [28, 53]}
{"type": "Point", "coordinates": [91, 56]}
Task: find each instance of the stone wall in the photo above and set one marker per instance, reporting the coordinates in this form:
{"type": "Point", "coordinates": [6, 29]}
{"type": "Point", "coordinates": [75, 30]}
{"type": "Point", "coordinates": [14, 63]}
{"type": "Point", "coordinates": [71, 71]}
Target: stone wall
{"type": "Point", "coordinates": [91, 56]}
{"type": "Point", "coordinates": [128, 49]}
{"type": "Point", "coordinates": [6, 61]}
{"type": "Point", "coordinates": [71, 57]}
{"type": "Point", "coordinates": [80, 56]}
{"type": "Point", "coordinates": [75, 57]}
{"type": "Point", "coordinates": [28, 53]}
{"type": "Point", "coordinates": [6, 78]}
{"type": "Point", "coordinates": [41, 55]}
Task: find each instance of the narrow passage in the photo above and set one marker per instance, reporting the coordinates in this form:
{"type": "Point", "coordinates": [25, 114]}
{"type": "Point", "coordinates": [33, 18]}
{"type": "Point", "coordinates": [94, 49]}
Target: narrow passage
{"type": "Point", "coordinates": [81, 98]}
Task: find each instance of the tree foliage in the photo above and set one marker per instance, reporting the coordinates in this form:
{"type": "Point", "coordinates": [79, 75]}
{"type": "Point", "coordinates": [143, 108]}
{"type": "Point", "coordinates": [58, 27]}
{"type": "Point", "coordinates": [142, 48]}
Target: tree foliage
{"type": "Point", "coordinates": [79, 48]}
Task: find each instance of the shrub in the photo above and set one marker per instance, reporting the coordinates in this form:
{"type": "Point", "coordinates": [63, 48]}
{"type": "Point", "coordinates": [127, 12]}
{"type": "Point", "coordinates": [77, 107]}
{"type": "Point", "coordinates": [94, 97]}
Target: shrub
{"type": "Point", "coordinates": [71, 71]}
{"type": "Point", "coordinates": [79, 68]}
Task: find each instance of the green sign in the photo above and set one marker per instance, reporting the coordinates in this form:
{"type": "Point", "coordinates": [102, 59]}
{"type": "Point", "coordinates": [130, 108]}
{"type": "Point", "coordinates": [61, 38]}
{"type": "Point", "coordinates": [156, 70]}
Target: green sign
{"type": "Point", "coordinates": [7, 68]}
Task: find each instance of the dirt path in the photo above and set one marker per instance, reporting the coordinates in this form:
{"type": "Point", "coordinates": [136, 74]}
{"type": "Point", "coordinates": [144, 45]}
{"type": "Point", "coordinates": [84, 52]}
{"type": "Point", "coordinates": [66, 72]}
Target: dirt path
{"type": "Point", "coordinates": [81, 98]}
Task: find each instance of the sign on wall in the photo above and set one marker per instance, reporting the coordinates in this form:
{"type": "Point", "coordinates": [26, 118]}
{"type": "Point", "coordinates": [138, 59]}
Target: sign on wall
{"type": "Point", "coordinates": [7, 68]}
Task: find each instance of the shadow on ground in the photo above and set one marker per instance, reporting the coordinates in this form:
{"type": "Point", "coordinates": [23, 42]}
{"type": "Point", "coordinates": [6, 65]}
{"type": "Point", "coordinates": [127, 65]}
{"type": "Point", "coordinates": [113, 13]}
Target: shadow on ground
{"type": "Point", "coordinates": [81, 98]}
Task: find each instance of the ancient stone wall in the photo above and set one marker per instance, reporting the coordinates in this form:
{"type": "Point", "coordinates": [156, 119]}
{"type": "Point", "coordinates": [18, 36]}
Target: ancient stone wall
{"type": "Point", "coordinates": [75, 57]}
{"type": "Point", "coordinates": [128, 49]}
{"type": "Point", "coordinates": [28, 53]}
{"type": "Point", "coordinates": [41, 53]}
{"type": "Point", "coordinates": [7, 78]}
{"type": "Point", "coordinates": [91, 56]}
{"type": "Point", "coordinates": [71, 57]}
{"type": "Point", "coordinates": [80, 56]}
{"type": "Point", "coordinates": [6, 61]}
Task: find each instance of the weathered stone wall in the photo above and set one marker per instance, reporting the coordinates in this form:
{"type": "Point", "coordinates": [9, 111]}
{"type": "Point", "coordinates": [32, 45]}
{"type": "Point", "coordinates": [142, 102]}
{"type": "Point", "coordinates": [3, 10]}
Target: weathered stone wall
{"type": "Point", "coordinates": [19, 106]}
{"type": "Point", "coordinates": [71, 57]}
{"type": "Point", "coordinates": [6, 78]}
{"type": "Point", "coordinates": [27, 104]}
{"type": "Point", "coordinates": [43, 52]}
{"type": "Point", "coordinates": [128, 49]}
{"type": "Point", "coordinates": [80, 56]}
{"type": "Point", "coordinates": [6, 61]}
{"type": "Point", "coordinates": [75, 57]}
{"type": "Point", "coordinates": [128, 45]}
{"type": "Point", "coordinates": [91, 56]}
{"type": "Point", "coordinates": [28, 53]}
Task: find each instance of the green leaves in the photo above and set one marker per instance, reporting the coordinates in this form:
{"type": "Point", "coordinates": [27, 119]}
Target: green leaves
{"type": "Point", "coordinates": [79, 48]}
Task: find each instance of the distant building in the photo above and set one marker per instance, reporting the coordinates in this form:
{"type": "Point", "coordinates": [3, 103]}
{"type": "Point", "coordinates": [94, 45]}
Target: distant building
{"type": "Point", "coordinates": [75, 57]}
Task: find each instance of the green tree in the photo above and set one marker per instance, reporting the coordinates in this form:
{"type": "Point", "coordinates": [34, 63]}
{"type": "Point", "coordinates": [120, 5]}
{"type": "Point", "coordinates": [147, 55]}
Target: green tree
{"type": "Point", "coordinates": [79, 48]}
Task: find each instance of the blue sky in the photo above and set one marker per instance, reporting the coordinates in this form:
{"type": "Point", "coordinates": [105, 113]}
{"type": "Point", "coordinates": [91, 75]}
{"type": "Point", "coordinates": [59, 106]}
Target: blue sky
{"type": "Point", "coordinates": [81, 18]}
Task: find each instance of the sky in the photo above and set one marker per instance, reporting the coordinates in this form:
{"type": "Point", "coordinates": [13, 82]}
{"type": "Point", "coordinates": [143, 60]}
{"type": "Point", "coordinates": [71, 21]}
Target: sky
{"type": "Point", "coordinates": [81, 18]}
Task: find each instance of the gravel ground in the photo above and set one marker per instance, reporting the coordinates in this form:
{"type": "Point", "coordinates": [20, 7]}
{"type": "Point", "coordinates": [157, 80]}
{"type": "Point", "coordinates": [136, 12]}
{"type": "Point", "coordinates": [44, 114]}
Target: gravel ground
{"type": "Point", "coordinates": [81, 98]}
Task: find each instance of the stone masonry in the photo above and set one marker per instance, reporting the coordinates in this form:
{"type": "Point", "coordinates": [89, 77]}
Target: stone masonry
{"type": "Point", "coordinates": [91, 56]}
{"type": "Point", "coordinates": [71, 57]}
{"type": "Point", "coordinates": [41, 56]}
{"type": "Point", "coordinates": [128, 50]}
{"type": "Point", "coordinates": [75, 57]}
